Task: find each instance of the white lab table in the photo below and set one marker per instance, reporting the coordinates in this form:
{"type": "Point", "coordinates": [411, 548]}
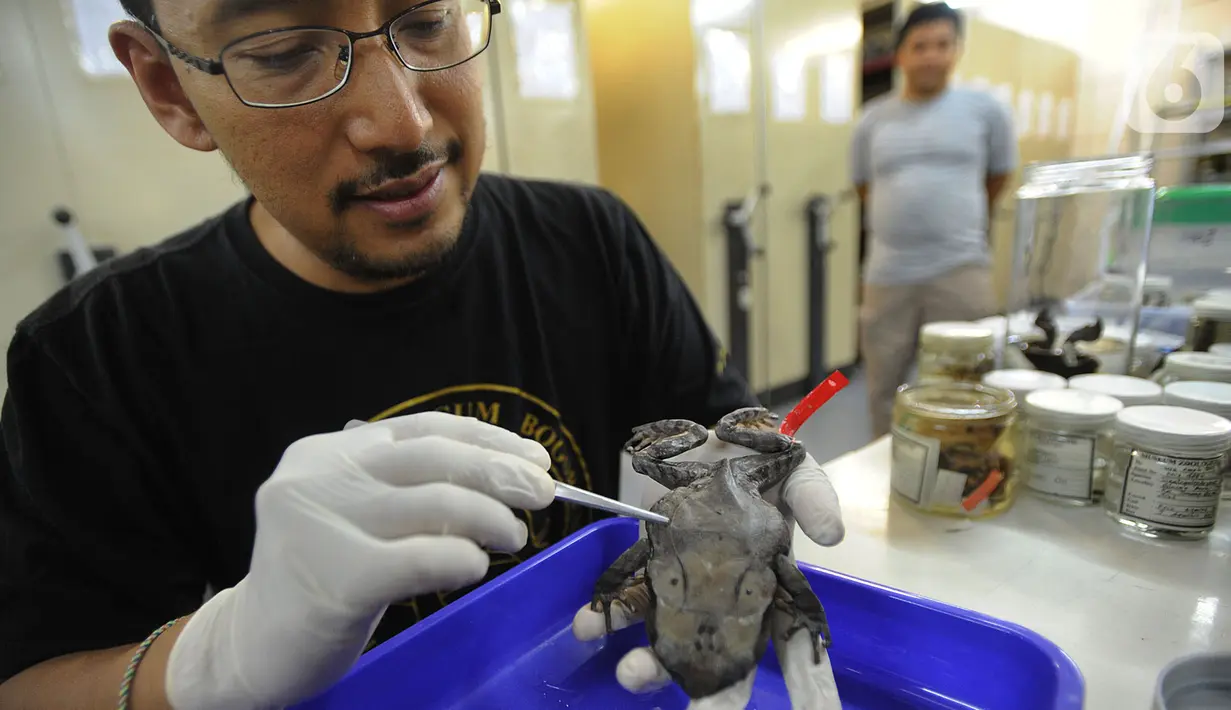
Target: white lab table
{"type": "Point", "coordinates": [1121, 606]}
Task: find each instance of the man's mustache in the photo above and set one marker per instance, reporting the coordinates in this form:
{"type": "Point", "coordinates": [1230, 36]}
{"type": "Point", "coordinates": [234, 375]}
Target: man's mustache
{"type": "Point", "coordinates": [393, 166]}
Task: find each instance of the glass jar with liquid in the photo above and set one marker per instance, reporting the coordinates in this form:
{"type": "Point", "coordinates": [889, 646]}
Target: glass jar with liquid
{"type": "Point", "coordinates": [1212, 397]}
{"type": "Point", "coordinates": [1081, 244]}
{"type": "Point", "coordinates": [948, 455]}
{"type": "Point", "coordinates": [1067, 445]}
{"type": "Point", "coordinates": [1210, 323]}
{"type": "Point", "coordinates": [1021, 383]}
{"type": "Point", "coordinates": [955, 352]}
{"type": "Point", "coordinates": [1165, 479]}
{"type": "Point", "coordinates": [1192, 366]}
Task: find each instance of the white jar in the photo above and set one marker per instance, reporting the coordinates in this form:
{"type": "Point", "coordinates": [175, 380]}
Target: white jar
{"type": "Point", "coordinates": [1067, 444]}
{"type": "Point", "coordinates": [1131, 391]}
{"type": "Point", "coordinates": [1156, 291]}
{"type": "Point", "coordinates": [1212, 397]}
{"type": "Point", "coordinates": [1166, 476]}
{"type": "Point", "coordinates": [1209, 323]}
{"type": "Point", "coordinates": [1022, 382]}
{"type": "Point", "coordinates": [955, 351]}
{"type": "Point", "coordinates": [1186, 366]}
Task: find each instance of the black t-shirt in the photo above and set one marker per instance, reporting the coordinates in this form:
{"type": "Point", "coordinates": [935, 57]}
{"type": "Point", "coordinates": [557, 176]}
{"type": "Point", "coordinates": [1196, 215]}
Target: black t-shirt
{"type": "Point", "coordinates": [148, 400]}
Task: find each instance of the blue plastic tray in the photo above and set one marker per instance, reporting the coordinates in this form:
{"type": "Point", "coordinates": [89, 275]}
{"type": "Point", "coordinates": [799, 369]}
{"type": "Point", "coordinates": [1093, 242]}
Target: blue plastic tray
{"type": "Point", "coordinates": [509, 644]}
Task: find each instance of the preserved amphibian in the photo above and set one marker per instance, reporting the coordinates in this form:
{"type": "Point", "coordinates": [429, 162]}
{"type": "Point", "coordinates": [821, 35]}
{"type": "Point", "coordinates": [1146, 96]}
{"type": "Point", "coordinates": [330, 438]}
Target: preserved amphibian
{"type": "Point", "coordinates": [713, 575]}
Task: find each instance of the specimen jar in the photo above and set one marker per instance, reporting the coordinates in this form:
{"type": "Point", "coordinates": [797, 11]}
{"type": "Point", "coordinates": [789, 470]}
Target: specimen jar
{"type": "Point", "coordinates": [1080, 244]}
{"type": "Point", "coordinates": [1210, 323]}
{"type": "Point", "coordinates": [1021, 383]}
{"type": "Point", "coordinates": [955, 352]}
{"type": "Point", "coordinates": [948, 440]}
{"type": "Point", "coordinates": [1166, 477]}
{"type": "Point", "coordinates": [1157, 291]}
{"type": "Point", "coordinates": [1212, 397]}
{"type": "Point", "coordinates": [1132, 391]}
{"type": "Point", "coordinates": [1067, 444]}
{"type": "Point", "coordinates": [1186, 366]}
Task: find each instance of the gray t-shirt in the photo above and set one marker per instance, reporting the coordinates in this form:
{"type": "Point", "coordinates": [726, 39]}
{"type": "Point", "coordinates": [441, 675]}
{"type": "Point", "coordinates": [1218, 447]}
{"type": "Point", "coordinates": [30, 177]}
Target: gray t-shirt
{"type": "Point", "coordinates": [926, 165]}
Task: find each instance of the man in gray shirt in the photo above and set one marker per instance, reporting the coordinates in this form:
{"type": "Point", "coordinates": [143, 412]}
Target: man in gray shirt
{"type": "Point", "coordinates": [929, 163]}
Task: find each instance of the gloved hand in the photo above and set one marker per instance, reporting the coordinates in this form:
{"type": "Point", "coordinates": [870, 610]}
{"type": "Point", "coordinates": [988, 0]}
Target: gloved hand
{"type": "Point", "coordinates": [806, 497]}
{"type": "Point", "coordinates": [348, 523]}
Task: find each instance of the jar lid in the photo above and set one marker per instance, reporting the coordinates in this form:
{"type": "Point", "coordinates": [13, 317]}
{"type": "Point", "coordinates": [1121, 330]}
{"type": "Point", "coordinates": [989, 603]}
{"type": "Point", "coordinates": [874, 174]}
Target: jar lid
{"type": "Point", "coordinates": [1221, 349]}
{"type": "Point", "coordinates": [1193, 681]}
{"type": "Point", "coordinates": [957, 334]}
{"type": "Point", "coordinates": [1217, 307]}
{"type": "Point", "coordinates": [1212, 397]}
{"type": "Point", "coordinates": [1179, 429]}
{"type": "Point", "coordinates": [1158, 283]}
{"type": "Point", "coordinates": [1132, 391]}
{"type": "Point", "coordinates": [1073, 406]}
{"type": "Point", "coordinates": [1199, 366]}
{"type": "Point", "coordinates": [1023, 382]}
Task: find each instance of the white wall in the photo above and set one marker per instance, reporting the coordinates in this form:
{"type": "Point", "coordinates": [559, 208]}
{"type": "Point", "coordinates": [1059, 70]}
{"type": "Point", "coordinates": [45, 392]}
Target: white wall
{"type": "Point", "coordinates": [88, 143]}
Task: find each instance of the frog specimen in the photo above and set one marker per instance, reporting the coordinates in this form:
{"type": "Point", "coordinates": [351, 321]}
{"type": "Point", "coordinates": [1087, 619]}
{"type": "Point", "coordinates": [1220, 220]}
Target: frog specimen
{"type": "Point", "coordinates": [723, 563]}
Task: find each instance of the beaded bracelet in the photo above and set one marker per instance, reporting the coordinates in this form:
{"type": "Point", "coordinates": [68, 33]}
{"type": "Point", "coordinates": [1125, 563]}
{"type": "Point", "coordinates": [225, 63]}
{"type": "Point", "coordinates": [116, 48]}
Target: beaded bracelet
{"type": "Point", "coordinates": [131, 671]}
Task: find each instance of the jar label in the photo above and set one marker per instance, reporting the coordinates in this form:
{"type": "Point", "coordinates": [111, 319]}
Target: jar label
{"type": "Point", "coordinates": [1172, 492]}
{"type": "Point", "coordinates": [913, 464]}
{"type": "Point", "coordinates": [1061, 464]}
{"type": "Point", "coordinates": [916, 472]}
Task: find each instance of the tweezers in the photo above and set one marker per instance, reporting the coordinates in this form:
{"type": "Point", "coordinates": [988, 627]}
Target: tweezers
{"type": "Point", "coordinates": [580, 496]}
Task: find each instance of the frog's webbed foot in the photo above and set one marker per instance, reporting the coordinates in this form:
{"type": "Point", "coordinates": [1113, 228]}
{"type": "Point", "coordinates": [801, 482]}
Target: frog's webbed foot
{"type": "Point", "coordinates": [816, 626]}
{"type": "Point", "coordinates": [613, 585]}
{"type": "Point", "coordinates": [796, 598]}
{"type": "Point", "coordinates": [633, 595]}
{"type": "Point", "coordinates": [755, 428]}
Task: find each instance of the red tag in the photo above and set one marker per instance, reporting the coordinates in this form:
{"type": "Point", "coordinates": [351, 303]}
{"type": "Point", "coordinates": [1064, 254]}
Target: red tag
{"type": "Point", "coordinates": [984, 490]}
{"type": "Point", "coordinates": [814, 401]}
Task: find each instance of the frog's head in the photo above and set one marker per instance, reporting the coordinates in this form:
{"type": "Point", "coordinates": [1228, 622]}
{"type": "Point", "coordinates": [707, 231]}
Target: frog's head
{"type": "Point", "coordinates": [710, 626]}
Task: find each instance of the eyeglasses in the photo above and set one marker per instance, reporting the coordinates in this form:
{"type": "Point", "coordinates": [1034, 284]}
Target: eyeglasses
{"type": "Point", "coordinates": [295, 66]}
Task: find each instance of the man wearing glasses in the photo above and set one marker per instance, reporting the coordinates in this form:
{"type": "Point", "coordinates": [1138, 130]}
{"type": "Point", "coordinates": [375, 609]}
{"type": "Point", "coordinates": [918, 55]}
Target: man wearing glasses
{"type": "Point", "coordinates": [482, 336]}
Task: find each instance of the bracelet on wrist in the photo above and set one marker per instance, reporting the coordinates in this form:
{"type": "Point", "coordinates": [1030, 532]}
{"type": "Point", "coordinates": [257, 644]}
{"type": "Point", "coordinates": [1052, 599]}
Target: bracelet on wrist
{"type": "Point", "coordinates": [131, 671]}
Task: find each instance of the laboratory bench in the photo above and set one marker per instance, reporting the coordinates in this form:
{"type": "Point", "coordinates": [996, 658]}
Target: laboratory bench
{"type": "Point", "coordinates": [1121, 606]}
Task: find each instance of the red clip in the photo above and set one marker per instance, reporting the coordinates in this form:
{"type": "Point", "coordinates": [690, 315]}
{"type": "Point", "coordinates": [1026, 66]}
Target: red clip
{"type": "Point", "coordinates": [814, 401]}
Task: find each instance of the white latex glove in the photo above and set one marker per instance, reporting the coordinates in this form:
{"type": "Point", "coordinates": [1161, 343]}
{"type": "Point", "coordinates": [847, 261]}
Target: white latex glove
{"type": "Point", "coordinates": [806, 497]}
{"type": "Point", "coordinates": [349, 523]}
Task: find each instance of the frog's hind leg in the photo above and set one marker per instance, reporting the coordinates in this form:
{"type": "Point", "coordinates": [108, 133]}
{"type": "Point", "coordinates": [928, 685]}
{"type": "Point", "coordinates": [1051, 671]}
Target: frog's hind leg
{"type": "Point", "coordinates": [803, 606]}
{"type": "Point", "coordinates": [755, 428]}
{"type": "Point", "coordinates": [612, 584]}
{"type": "Point", "coordinates": [764, 471]}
